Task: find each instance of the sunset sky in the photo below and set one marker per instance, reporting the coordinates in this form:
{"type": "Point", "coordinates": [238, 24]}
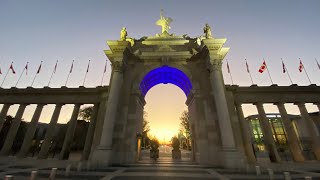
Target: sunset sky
{"type": "Point", "coordinates": [62, 30]}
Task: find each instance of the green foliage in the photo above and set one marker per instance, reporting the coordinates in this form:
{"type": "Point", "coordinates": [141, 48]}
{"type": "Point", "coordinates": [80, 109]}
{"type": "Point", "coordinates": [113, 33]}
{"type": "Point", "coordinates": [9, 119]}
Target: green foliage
{"type": "Point", "coordinates": [154, 143]}
{"type": "Point", "coordinates": [85, 113]}
{"type": "Point", "coordinates": [175, 143]}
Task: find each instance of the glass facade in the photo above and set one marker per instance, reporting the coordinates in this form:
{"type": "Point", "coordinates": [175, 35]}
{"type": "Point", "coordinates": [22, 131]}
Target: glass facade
{"type": "Point", "coordinates": [278, 132]}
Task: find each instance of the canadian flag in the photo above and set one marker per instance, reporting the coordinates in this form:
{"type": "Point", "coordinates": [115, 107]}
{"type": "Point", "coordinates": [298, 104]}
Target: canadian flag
{"type": "Point", "coordinates": [300, 66]}
{"type": "Point", "coordinates": [263, 67]}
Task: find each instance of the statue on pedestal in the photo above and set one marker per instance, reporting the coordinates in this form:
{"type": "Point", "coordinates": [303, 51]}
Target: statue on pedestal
{"type": "Point", "coordinates": [123, 34]}
{"type": "Point", "coordinates": [164, 22]}
{"type": "Point", "coordinates": [207, 31]}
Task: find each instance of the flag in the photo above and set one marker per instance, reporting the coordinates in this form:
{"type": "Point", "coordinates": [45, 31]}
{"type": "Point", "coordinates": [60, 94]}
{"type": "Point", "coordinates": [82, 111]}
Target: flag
{"type": "Point", "coordinates": [39, 68]}
{"type": "Point", "coordinates": [88, 66]}
{"type": "Point", "coordinates": [318, 64]}
{"type": "Point", "coordinates": [71, 67]}
{"type": "Point", "coordinates": [263, 67]}
{"type": "Point", "coordinates": [55, 67]}
{"type": "Point", "coordinates": [283, 67]}
{"type": "Point", "coordinates": [26, 68]}
{"type": "Point", "coordinates": [300, 66]}
{"type": "Point", "coordinates": [247, 67]}
{"type": "Point", "coordinates": [228, 67]}
{"type": "Point", "coordinates": [11, 67]}
{"type": "Point", "coordinates": [0, 71]}
{"type": "Point", "coordinates": [105, 68]}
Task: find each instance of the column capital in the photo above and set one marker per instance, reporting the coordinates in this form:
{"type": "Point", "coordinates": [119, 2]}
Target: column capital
{"type": "Point", "coordinates": [117, 65]}
{"type": "Point", "coordinates": [215, 65]}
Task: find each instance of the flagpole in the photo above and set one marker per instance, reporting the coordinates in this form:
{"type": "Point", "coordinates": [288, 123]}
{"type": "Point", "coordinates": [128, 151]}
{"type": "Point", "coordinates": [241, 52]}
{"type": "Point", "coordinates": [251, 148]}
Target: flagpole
{"type": "Point", "coordinates": [52, 73]}
{"type": "Point", "coordinates": [5, 77]}
{"type": "Point", "coordinates": [104, 71]}
{"type": "Point", "coordinates": [317, 63]}
{"type": "Point", "coordinates": [305, 70]}
{"type": "Point", "coordinates": [268, 72]}
{"type": "Point", "coordinates": [21, 75]}
{"type": "Point", "coordinates": [35, 75]}
{"type": "Point", "coordinates": [85, 76]}
{"type": "Point", "coordinates": [249, 71]}
{"type": "Point", "coordinates": [69, 73]}
{"type": "Point", "coordinates": [229, 72]}
{"type": "Point", "coordinates": [287, 72]}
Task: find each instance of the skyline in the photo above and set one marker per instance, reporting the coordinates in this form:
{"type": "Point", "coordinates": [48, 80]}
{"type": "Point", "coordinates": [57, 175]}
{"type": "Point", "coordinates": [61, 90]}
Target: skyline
{"type": "Point", "coordinates": [49, 31]}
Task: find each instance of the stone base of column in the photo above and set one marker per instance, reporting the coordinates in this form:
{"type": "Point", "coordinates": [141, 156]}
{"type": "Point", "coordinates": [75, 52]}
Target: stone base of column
{"type": "Point", "coordinates": [231, 158]}
{"type": "Point", "coordinates": [101, 157]}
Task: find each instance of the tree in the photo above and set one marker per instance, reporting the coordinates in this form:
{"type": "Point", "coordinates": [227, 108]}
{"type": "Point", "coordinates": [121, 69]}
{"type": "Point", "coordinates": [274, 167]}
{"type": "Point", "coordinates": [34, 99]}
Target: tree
{"type": "Point", "coordinates": [185, 124]}
{"type": "Point", "coordinates": [85, 113]}
{"type": "Point", "coordinates": [145, 130]}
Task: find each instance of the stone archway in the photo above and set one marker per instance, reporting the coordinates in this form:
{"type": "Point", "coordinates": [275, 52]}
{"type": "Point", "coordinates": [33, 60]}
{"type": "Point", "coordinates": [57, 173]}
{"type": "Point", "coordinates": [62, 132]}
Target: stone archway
{"type": "Point", "coordinates": [198, 59]}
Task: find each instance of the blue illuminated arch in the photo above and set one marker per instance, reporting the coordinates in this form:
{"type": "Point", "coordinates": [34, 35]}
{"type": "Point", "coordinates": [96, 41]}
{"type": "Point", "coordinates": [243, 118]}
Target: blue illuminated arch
{"type": "Point", "coordinates": [165, 75]}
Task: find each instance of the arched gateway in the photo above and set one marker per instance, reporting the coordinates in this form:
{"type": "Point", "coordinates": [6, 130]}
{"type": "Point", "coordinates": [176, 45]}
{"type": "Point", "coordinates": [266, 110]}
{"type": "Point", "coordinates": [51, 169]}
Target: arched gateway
{"type": "Point", "coordinates": [192, 64]}
{"type": "Point", "coordinates": [221, 134]}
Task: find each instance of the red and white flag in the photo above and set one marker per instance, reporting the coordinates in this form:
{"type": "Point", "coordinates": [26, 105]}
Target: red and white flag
{"type": "Point", "coordinates": [283, 67]}
{"type": "Point", "coordinates": [55, 67]}
{"type": "Point", "coordinates": [300, 66]}
{"type": "Point", "coordinates": [263, 67]}
{"type": "Point", "coordinates": [247, 67]}
{"type": "Point", "coordinates": [228, 67]}
{"type": "Point", "coordinates": [71, 67]}
{"type": "Point", "coordinates": [26, 68]}
{"type": "Point", "coordinates": [39, 69]}
{"type": "Point", "coordinates": [11, 67]}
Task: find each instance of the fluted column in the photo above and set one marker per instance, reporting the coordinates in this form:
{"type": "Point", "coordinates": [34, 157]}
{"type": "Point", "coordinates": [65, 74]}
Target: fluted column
{"type": "Point", "coordinates": [291, 135]}
{"type": "Point", "coordinates": [103, 154]}
{"type": "Point", "coordinates": [267, 134]}
{"type": "Point", "coordinates": [246, 135]}
{"type": "Point", "coordinates": [3, 114]}
{"type": "Point", "coordinates": [312, 130]}
{"type": "Point", "coordinates": [13, 130]}
{"type": "Point", "coordinates": [50, 132]}
{"type": "Point", "coordinates": [218, 91]}
{"type": "Point", "coordinates": [90, 133]}
{"type": "Point", "coordinates": [64, 154]}
{"type": "Point", "coordinates": [30, 132]}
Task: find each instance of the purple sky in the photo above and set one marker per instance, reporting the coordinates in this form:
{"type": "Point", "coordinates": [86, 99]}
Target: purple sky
{"type": "Point", "coordinates": [77, 29]}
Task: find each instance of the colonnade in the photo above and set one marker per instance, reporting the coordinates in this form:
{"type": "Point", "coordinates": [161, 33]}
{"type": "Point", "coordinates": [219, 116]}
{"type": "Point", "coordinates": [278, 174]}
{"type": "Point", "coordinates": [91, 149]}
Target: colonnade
{"type": "Point", "coordinates": [47, 141]}
{"type": "Point", "coordinates": [292, 137]}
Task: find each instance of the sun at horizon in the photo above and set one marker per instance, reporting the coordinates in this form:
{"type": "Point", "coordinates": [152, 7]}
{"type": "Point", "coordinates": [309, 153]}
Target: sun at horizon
{"type": "Point", "coordinates": [164, 106]}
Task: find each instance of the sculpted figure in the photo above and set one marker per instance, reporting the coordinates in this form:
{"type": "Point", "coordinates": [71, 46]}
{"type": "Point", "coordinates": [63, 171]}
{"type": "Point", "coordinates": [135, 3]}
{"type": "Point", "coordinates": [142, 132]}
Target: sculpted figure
{"type": "Point", "coordinates": [123, 34]}
{"type": "Point", "coordinates": [207, 31]}
{"type": "Point", "coordinates": [164, 22]}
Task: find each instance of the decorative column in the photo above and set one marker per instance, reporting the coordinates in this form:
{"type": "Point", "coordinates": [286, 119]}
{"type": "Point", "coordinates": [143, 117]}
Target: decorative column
{"type": "Point", "coordinates": [218, 91]}
{"type": "Point", "coordinates": [291, 135]}
{"type": "Point", "coordinates": [312, 130]}
{"type": "Point", "coordinates": [3, 114]}
{"type": "Point", "coordinates": [103, 154]}
{"type": "Point", "coordinates": [30, 132]}
{"type": "Point", "coordinates": [13, 130]}
{"type": "Point", "coordinates": [267, 134]}
{"type": "Point", "coordinates": [246, 135]}
{"type": "Point", "coordinates": [64, 154]}
{"type": "Point", "coordinates": [50, 132]}
{"type": "Point", "coordinates": [90, 133]}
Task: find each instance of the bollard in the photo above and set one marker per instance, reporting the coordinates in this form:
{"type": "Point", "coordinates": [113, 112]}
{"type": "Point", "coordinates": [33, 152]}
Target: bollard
{"type": "Point", "coordinates": [33, 175]}
{"type": "Point", "coordinates": [68, 169]}
{"type": "Point", "coordinates": [287, 176]}
{"type": "Point", "coordinates": [8, 177]}
{"type": "Point", "coordinates": [271, 174]}
{"type": "Point", "coordinates": [79, 167]}
{"type": "Point", "coordinates": [53, 173]}
{"type": "Point", "coordinates": [308, 178]}
{"type": "Point", "coordinates": [258, 171]}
